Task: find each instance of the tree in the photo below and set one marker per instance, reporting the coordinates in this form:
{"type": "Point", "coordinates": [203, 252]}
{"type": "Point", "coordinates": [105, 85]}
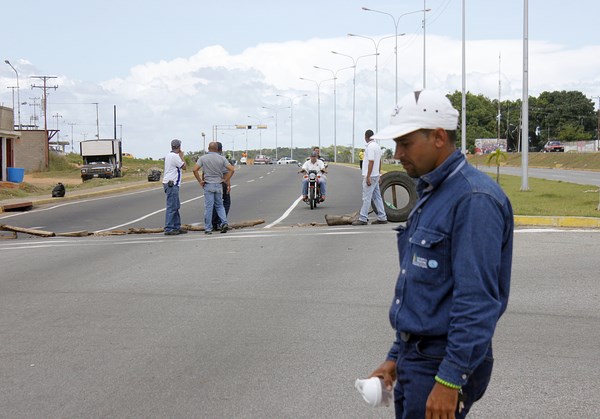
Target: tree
{"type": "Point", "coordinates": [497, 155]}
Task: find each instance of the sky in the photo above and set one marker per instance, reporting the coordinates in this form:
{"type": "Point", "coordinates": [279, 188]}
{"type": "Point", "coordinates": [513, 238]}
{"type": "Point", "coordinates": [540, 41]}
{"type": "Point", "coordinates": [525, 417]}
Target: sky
{"type": "Point", "coordinates": [181, 68]}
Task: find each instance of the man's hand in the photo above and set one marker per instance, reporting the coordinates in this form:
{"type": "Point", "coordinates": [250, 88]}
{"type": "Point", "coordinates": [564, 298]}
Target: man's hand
{"type": "Point", "coordinates": [441, 403]}
{"type": "Point", "coordinates": [386, 371]}
{"type": "Point", "coordinates": [368, 180]}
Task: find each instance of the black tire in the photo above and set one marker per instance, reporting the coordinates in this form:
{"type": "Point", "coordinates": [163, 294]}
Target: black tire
{"type": "Point", "coordinates": [312, 199]}
{"type": "Point", "coordinates": [397, 208]}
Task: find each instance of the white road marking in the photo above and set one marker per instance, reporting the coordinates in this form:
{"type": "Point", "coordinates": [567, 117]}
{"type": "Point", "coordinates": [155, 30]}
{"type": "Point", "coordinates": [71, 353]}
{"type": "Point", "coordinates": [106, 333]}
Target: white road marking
{"type": "Point", "coordinates": [285, 214]}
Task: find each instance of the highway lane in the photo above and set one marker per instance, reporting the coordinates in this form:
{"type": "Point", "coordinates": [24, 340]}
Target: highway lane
{"type": "Point", "coordinates": [268, 323]}
{"type": "Point", "coordinates": [258, 192]}
{"type": "Point", "coordinates": [573, 176]}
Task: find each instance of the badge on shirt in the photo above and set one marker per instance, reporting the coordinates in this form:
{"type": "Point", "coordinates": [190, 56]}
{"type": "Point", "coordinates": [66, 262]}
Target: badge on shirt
{"type": "Point", "coordinates": [424, 263]}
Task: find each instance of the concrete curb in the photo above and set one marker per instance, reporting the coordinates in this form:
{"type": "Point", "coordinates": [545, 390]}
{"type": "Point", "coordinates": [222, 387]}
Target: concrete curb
{"type": "Point", "coordinates": [555, 221]}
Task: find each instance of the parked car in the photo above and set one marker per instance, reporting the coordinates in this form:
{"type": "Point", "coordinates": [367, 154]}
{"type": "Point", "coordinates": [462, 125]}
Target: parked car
{"type": "Point", "coordinates": [262, 159]}
{"type": "Point", "coordinates": [287, 160]}
{"type": "Point", "coordinates": [554, 146]}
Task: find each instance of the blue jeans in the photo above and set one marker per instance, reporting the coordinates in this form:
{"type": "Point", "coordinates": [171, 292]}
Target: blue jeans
{"type": "Point", "coordinates": [369, 193]}
{"type": "Point", "coordinates": [416, 367]}
{"type": "Point", "coordinates": [213, 198]}
{"type": "Point", "coordinates": [172, 218]}
{"type": "Point", "coordinates": [226, 204]}
{"type": "Point", "coordinates": [322, 186]}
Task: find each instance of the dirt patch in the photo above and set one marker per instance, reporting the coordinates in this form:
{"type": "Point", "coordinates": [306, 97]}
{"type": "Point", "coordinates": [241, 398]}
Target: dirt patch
{"type": "Point", "coordinates": [47, 181]}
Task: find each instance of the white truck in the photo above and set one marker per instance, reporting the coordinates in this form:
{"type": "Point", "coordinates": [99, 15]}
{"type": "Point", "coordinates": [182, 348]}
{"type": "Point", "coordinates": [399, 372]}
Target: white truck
{"type": "Point", "coordinates": [101, 159]}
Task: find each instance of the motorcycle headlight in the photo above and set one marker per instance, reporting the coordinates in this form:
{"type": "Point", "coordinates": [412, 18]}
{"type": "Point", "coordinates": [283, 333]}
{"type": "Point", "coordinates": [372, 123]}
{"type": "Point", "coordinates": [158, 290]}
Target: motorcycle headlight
{"type": "Point", "coordinates": [312, 176]}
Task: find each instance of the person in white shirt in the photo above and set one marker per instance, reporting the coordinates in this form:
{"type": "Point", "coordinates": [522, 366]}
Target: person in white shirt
{"type": "Point", "coordinates": [370, 184]}
{"type": "Point", "coordinates": [314, 164]}
{"type": "Point", "coordinates": [174, 164]}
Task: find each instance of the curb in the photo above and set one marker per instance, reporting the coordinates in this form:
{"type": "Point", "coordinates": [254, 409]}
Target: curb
{"type": "Point", "coordinates": [555, 221]}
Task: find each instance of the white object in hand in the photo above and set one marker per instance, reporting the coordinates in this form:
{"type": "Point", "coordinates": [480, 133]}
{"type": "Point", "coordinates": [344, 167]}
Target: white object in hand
{"type": "Point", "coordinates": [373, 391]}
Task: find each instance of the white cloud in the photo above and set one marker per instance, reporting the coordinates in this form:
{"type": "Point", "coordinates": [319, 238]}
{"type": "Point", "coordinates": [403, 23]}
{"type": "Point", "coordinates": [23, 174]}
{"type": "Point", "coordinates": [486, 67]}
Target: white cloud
{"type": "Point", "coordinates": [183, 97]}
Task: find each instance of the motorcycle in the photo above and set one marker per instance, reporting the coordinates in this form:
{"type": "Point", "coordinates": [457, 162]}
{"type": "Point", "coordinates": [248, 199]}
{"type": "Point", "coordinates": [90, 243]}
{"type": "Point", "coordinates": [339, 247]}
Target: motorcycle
{"type": "Point", "coordinates": [314, 190]}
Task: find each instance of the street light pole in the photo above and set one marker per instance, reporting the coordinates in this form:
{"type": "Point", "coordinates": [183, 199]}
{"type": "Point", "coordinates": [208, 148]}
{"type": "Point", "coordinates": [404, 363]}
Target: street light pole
{"type": "Point", "coordinates": [203, 143]}
{"type": "Point", "coordinates": [396, 22]}
{"type": "Point", "coordinates": [275, 110]}
{"type": "Point", "coordinates": [291, 99]}
{"type": "Point", "coordinates": [318, 83]}
{"type": "Point", "coordinates": [354, 62]}
{"type": "Point", "coordinates": [18, 94]}
{"type": "Point", "coordinates": [376, 45]}
{"type": "Point", "coordinates": [334, 74]}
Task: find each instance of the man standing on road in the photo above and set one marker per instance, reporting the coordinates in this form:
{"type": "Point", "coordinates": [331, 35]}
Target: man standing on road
{"type": "Point", "coordinates": [370, 183]}
{"type": "Point", "coordinates": [216, 170]}
{"type": "Point", "coordinates": [455, 260]}
{"type": "Point", "coordinates": [216, 225]}
{"type": "Point", "coordinates": [174, 164]}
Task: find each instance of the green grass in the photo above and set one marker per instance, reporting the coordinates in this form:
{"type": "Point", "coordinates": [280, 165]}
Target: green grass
{"type": "Point", "coordinates": [545, 197]}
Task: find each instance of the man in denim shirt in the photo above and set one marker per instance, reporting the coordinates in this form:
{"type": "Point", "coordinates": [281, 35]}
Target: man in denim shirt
{"type": "Point", "coordinates": [455, 261]}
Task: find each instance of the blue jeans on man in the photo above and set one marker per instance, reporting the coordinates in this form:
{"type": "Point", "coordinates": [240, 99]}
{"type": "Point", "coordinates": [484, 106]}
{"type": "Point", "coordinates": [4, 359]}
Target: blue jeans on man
{"type": "Point", "coordinates": [371, 192]}
{"type": "Point", "coordinates": [226, 204]}
{"type": "Point", "coordinates": [172, 218]}
{"type": "Point", "coordinates": [322, 186]}
{"type": "Point", "coordinates": [213, 198]}
{"type": "Point", "coordinates": [417, 364]}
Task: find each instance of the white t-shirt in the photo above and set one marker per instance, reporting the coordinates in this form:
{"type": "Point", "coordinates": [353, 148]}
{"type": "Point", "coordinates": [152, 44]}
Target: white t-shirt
{"type": "Point", "coordinates": [318, 165]}
{"type": "Point", "coordinates": [372, 152]}
{"type": "Point", "coordinates": [173, 165]}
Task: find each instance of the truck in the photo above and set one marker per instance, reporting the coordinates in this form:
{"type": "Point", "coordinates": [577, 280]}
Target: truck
{"type": "Point", "coordinates": [101, 159]}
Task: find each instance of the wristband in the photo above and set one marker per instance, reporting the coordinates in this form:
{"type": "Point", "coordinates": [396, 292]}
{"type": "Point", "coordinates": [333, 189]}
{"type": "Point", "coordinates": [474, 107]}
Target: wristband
{"type": "Point", "coordinates": [446, 383]}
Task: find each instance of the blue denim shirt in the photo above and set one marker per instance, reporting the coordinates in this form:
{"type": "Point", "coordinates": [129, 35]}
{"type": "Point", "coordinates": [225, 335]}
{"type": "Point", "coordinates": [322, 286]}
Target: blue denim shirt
{"type": "Point", "coordinates": [455, 261]}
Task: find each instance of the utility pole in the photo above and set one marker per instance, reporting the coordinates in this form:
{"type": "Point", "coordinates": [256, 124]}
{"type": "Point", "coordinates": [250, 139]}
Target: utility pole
{"type": "Point", "coordinates": [56, 115]}
{"type": "Point", "coordinates": [34, 118]}
{"type": "Point", "coordinates": [45, 87]}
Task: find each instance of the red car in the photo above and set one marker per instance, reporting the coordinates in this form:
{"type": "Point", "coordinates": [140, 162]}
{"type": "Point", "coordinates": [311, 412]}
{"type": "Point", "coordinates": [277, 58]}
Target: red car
{"type": "Point", "coordinates": [554, 146]}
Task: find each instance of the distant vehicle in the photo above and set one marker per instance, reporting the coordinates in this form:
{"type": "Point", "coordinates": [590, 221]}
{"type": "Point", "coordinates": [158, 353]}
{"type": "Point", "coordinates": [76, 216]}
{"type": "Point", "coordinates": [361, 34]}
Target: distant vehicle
{"type": "Point", "coordinates": [243, 160]}
{"type": "Point", "coordinates": [128, 155]}
{"type": "Point", "coordinates": [554, 146]}
{"type": "Point", "coordinates": [101, 159]}
{"type": "Point", "coordinates": [287, 160]}
{"type": "Point", "coordinates": [262, 159]}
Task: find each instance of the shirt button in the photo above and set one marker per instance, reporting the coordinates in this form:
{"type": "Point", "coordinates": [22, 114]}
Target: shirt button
{"type": "Point", "coordinates": [398, 301]}
{"type": "Point", "coordinates": [403, 271]}
{"type": "Point", "coordinates": [423, 242]}
{"type": "Point", "coordinates": [464, 376]}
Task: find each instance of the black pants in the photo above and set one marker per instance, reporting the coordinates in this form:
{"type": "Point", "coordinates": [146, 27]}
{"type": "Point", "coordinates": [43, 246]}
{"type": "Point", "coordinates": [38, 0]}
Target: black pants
{"type": "Point", "coordinates": [226, 204]}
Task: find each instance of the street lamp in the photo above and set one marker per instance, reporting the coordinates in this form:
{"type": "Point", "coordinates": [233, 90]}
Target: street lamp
{"type": "Point", "coordinates": [275, 110]}
{"type": "Point", "coordinates": [334, 75]}
{"type": "Point", "coordinates": [18, 94]}
{"type": "Point", "coordinates": [396, 21]}
{"type": "Point", "coordinates": [291, 99]}
{"type": "Point", "coordinates": [318, 83]}
{"type": "Point", "coordinates": [354, 62]}
{"type": "Point", "coordinates": [203, 143]}
{"type": "Point", "coordinates": [376, 45]}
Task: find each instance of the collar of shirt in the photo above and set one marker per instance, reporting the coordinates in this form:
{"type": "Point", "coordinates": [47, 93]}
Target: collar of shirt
{"type": "Point", "coordinates": [433, 179]}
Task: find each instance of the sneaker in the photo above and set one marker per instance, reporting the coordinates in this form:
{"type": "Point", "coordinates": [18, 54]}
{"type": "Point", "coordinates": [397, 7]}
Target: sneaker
{"type": "Point", "coordinates": [359, 223]}
{"type": "Point", "coordinates": [182, 231]}
{"type": "Point", "coordinates": [207, 232]}
{"type": "Point", "coordinates": [322, 199]}
{"type": "Point", "coordinates": [224, 228]}
{"type": "Point", "coordinates": [171, 233]}
{"type": "Point", "coordinates": [379, 222]}
{"type": "Point", "coordinates": [305, 198]}
{"type": "Point", "coordinates": [217, 228]}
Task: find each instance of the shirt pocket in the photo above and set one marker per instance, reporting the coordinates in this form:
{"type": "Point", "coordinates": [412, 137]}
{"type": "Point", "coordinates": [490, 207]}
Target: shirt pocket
{"type": "Point", "coordinates": [429, 256]}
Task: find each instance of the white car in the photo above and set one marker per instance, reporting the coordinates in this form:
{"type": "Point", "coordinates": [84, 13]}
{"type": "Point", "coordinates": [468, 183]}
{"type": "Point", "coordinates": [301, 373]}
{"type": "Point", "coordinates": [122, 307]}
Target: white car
{"type": "Point", "coordinates": [287, 160]}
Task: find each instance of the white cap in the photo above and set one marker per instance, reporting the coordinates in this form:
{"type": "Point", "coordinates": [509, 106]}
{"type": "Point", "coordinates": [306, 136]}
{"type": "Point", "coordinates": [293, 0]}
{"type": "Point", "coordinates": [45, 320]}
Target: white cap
{"type": "Point", "coordinates": [425, 109]}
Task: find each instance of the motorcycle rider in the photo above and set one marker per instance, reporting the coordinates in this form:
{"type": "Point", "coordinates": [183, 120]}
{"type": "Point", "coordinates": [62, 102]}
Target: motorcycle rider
{"type": "Point", "coordinates": [314, 164]}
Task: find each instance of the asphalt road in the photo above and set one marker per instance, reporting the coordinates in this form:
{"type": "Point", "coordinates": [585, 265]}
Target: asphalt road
{"type": "Point", "coordinates": [264, 322]}
{"type": "Point", "coordinates": [268, 192]}
{"type": "Point", "coordinates": [269, 323]}
{"type": "Point", "coordinates": [573, 176]}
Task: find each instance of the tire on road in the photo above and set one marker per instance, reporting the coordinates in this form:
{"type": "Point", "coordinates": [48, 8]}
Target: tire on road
{"type": "Point", "coordinates": [399, 193]}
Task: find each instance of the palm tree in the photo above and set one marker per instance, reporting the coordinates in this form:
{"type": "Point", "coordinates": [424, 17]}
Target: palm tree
{"type": "Point", "coordinates": [496, 155]}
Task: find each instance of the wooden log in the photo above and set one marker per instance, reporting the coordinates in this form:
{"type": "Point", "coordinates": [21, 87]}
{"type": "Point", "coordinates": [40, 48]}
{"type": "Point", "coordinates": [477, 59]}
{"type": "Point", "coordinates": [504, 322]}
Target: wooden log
{"type": "Point", "coordinates": [31, 231]}
{"type": "Point", "coordinates": [110, 233]}
{"type": "Point", "coordinates": [241, 224]}
{"type": "Point", "coordinates": [82, 233]}
{"type": "Point", "coordinates": [336, 220]}
{"type": "Point", "coordinates": [12, 235]}
{"type": "Point", "coordinates": [145, 230]}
